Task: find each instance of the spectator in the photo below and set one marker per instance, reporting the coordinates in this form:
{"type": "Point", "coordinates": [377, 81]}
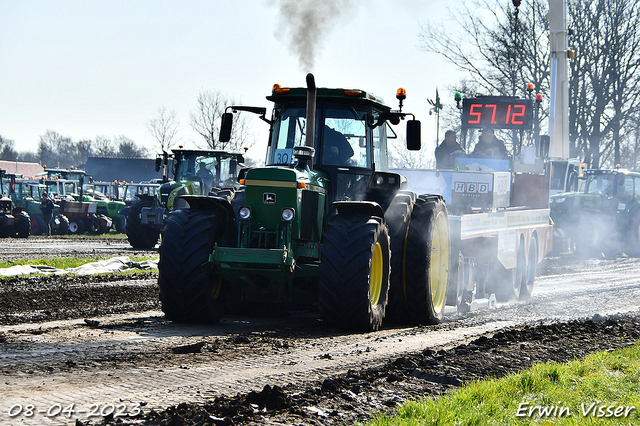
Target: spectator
{"type": "Point", "coordinates": [489, 145]}
{"type": "Point", "coordinates": [46, 205]}
{"type": "Point", "coordinates": [445, 149]}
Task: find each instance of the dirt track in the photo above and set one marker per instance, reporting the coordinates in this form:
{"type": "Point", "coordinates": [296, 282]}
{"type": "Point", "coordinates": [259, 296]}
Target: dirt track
{"type": "Point", "coordinates": [88, 341]}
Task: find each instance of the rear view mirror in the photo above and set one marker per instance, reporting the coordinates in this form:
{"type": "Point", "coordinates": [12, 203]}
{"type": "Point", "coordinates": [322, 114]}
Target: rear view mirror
{"type": "Point", "coordinates": [225, 127]}
{"type": "Point", "coordinates": [158, 164]}
{"type": "Point", "coordinates": [413, 135]}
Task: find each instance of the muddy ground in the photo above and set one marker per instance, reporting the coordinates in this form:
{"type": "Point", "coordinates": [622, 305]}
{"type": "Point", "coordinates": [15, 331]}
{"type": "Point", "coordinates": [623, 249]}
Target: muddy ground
{"type": "Point", "coordinates": [105, 305]}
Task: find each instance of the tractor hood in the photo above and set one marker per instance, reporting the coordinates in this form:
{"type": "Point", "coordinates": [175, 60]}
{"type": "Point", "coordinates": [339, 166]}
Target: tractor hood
{"type": "Point", "coordinates": [284, 177]}
{"type": "Point", "coordinates": [567, 206]}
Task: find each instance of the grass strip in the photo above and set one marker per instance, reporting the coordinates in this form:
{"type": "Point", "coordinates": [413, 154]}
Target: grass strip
{"type": "Point", "coordinates": [601, 389]}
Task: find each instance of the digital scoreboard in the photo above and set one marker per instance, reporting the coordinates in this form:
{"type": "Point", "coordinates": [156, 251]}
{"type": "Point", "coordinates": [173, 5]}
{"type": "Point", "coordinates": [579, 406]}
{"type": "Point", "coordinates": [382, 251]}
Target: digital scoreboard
{"type": "Point", "coordinates": [497, 112]}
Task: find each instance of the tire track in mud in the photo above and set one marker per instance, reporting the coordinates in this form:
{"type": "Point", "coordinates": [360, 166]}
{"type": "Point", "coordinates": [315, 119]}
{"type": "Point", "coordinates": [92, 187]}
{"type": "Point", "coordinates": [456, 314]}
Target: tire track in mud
{"type": "Point", "coordinates": [132, 358]}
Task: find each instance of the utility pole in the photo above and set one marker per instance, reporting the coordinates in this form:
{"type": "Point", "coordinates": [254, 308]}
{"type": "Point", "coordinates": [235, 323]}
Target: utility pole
{"type": "Point", "coordinates": [559, 101]}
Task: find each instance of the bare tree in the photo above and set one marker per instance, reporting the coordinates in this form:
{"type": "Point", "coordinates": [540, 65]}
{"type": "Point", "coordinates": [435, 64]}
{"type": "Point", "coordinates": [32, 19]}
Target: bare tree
{"type": "Point", "coordinates": [499, 51]}
{"type": "Point", "coordinates": [401, 158]}
{"type": "Point", "coordinates": [127, 148]}
{"type": "Point", "coordinates": [605, 95]}
{"type": "Point", "coordinates": [205, 120]}
{"type": "Point", "coordinates": [164, 128]}
{"type": "Point", "coordinates": [54, 149]}
{"type": "Point", "coordinates": [7, 149]}
{"type": "Point", "coordinates": [103, 147]}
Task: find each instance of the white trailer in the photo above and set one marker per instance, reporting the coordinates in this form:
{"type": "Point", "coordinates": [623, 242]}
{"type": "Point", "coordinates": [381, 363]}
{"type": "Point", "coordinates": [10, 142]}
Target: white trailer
{"type": "Point", "coordinates": [498, 208]}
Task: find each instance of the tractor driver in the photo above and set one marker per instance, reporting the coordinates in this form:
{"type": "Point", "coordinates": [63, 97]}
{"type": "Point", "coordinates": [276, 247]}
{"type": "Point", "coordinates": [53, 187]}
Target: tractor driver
{"type": "Point", "coordinates": [336, 148]}
{"type": "Point", "coordinates": [203, 172]}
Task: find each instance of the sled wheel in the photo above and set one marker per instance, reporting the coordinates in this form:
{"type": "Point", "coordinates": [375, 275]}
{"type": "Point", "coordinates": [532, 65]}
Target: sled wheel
{"type": "Point", "coordinates": [532, 264]}
{"type": "Point", "coordinates": [510, 282]}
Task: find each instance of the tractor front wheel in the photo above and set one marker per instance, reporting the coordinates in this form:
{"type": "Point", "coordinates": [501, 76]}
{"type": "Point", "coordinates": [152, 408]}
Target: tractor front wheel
{"type": "Point", "coordinates": [62, 225]}
{"type": "Point", "coordinates": [354, 272]}
{"type": "Point", "coordinates": [190, 290]}
{"type": "Point", "coordinates": [139, 235]}
{"type": "Point", "coordinates": [23, 227]}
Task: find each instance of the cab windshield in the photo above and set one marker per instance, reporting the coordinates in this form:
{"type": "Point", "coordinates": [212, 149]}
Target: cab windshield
{"type": "Point", "coordinates": [601, 184]}
{"type": "Point", "coordinates": [342, 131]}
{"type": "Point", "coordinates": [212, 169]}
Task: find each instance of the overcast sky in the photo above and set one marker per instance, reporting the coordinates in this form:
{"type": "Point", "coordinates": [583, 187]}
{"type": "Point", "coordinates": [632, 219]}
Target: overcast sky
{"type": "Point", "coordinates": [87, 68]}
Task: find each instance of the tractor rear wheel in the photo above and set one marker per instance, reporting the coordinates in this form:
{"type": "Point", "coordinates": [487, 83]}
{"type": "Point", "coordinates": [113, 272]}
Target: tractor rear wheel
{"type": "Point", "coordinates": [63, 225]}
{"type": "Point", "coordinates": [139, 235]}
{"type": "Point", "coordinates": [354, 272]}
{"type": "Point", "coordinates": [634, 235]}
{"type": "Point", "coordinates": [397, 217]}
{"type": "Point", "coordinates": [427, 261]}
{"type": "Point", "coordinates": [23, 226]}
{"type": "Point", "coordinates": [190, 290]}
{"type": "Point", "coordinates": [37, 225]}
{"type": "Point", "coordinates": [76, 226]}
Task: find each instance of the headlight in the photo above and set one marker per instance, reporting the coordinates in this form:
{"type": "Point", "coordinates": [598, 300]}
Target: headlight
{"type": "Point", "coordinates": [287, 215]}
{"type": "Point", "coordinates": [379, 180]}
{"type": "Point", "coordinates": [559, 200]}
{"type": "Point", "coordinates": [244, 213]}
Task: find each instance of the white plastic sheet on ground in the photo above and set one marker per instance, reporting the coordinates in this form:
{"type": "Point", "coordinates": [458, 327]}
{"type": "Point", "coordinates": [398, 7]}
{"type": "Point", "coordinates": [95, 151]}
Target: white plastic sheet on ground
{"type": "Point", "coordinates": [115, 264]}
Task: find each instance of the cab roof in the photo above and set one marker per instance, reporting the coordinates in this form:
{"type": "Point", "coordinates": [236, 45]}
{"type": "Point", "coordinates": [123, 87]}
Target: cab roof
{"type": "Point", "coordinates": [281, 94]}
{"type": "Point", "coordinates": [204, 152]}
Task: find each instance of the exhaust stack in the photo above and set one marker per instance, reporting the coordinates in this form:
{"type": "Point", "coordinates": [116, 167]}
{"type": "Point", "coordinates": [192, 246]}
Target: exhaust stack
{"type": "Point", "coordinates": [311, 110]}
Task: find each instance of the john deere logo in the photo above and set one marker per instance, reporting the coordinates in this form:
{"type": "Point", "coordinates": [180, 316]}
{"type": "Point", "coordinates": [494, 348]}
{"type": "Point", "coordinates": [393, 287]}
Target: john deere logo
{"type": "Point", "coordinates": [269, 198]}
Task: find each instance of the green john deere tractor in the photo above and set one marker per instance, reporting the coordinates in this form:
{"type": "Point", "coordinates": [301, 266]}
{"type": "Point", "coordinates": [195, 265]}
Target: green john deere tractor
{"type": "Point", "coordinates": [323, 224]}
{"type": "Point", "coordinates": [195, 172]}
{"type": "Point", "coordinates": [603, 218]}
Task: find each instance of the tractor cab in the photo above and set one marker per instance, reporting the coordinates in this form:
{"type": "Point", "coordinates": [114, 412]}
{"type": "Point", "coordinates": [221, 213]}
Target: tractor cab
{"type": "Point", "coordinates": [349, 143]}
{"type": "Point", "coordinates": [207, 169]}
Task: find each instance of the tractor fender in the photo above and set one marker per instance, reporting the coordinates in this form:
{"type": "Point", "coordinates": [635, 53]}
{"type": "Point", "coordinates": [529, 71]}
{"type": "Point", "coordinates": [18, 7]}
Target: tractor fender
{"type": "Point", "coordinates": [358, 207]}
{"type": "Point", "coordinates": [146, 197]}
{"type": "Point", "coordinates": [220, 204]}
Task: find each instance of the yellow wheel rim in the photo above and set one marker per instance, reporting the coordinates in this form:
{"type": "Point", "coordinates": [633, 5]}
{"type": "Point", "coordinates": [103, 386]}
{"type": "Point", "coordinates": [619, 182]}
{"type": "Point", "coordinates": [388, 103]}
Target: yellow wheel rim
{"type": "Point", "coordinates": [375, 283]}
{"type": "Point", "coordinates": [216, 286]}
{"type": "Point", "coordinates": [439, 271]}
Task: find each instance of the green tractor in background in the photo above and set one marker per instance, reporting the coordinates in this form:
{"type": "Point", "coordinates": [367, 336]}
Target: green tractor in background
{"type": "Point", "coordinates": [603, 218]}
{"type": "Point", "coordinates": [27, 194]}
{"type": "Point", "coordinates": [195, 172]}
{"type": "Point", "coordinates": [106, 206]}
{"type": "Point", "coordinates": [323, 223]}
{"type": "Point", "coordinates": [14, 221]}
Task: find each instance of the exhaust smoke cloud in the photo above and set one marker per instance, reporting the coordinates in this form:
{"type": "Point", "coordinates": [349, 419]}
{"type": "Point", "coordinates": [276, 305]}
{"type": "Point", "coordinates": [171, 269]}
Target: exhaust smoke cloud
{"type": "Point", "coordinates": [304, 23]}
